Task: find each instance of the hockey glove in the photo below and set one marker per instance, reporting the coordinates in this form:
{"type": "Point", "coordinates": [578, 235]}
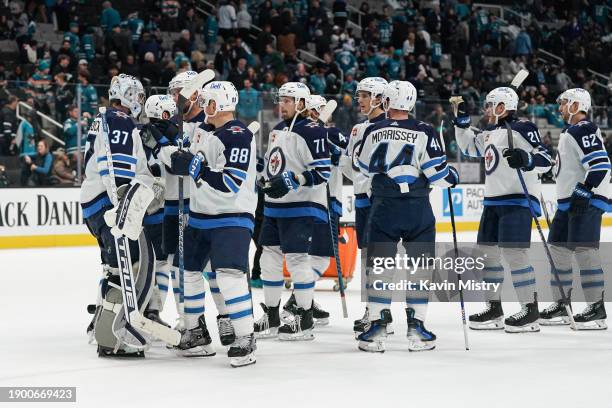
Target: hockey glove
{"type": "Point", "coordinates": [159, 134]}
{"type": "Point", "coordinates": [280, 185]}
{"type": "Point", "coordinates": [185, 163]}
{"type": "Point", "coordinates": [453, 176]}
{"type": "Point", "coordinates": [519, 159]}
{"type": "Point", "coordinates": [335, 153]}
{"type": "Point", "coordinates": [580, 199]}
{"type": "Point", "coordinates": [463, 119]}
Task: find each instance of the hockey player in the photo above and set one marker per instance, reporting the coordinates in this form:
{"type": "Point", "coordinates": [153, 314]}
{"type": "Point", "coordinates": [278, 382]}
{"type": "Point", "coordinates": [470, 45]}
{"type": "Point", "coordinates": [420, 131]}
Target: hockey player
{"type": "Point", "coordinates": [369, 97]}
{"type": "Point", "coordinates": [221, 167]}
{"type": "Point", "coordinates": [158, 108]}
{"type": "Point", "coordinates": [321, 245]}
{"type": "Point", "coordinates": [193, 118]}
{"type": "Point", "coordinates": [505, 225]}
{"type": "Point", "coordinates": [297, 166]}
{"type": "Point", "coordinates": [118, 125]}
{"type": "Point", "coordinates": [582, 172]}
{"type": "Point", "coordinates": [403, 156]}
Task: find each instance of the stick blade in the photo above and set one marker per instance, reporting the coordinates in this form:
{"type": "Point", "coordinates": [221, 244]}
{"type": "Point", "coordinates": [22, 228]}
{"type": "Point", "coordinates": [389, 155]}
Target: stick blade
{"type": "Point", "coordinates": [328, 110]}
{"type": "Point", "coordinates": [253, 127]}
{"type": "Point", "coordinates": [198, 82]}
{"type": "Point", "coordinates": [519, 78]}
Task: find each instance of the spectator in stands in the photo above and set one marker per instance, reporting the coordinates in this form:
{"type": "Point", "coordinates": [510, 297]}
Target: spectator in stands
{"type": "Point", "coordinates": [340, 13]}
{"type": "Point", "coordinates": [109, 17]}
{"type": "Point", "coordinates": [349, 87]}
{"type": "Point", "coordinates": [37, 170]}
{"type": "Point", "coordinates": [149, 43]}
{"type": "Point", "coordinates": [238, 74]}
{"type": "Point", "coordinates": [243, 21]}
{"type": "Point", "coordinates": [227, 19]}
{"type": "Point", "coordinates": [72, 36]}
{"type": "Point", "coordinates": [62, 65]}
{"type": "Point", "coordinates": [71, 131]}
{"type": "Point", "coordinates": [184, 44]}
{"type": "Point", "coordinates": [346, 60]}
{"type": "Point", "coordinates": [522, 44]}
{"type": "Point", "coordinates": [211, 32]}
{"type": "Point", "coordinates": [89, 95]}
{"type": "Point", "coordinates": [39, 85]}
{"type": "Point", "coordinates": [64, 96]}
{"type": "Point", "coordinates": [151, 70]}
{"type": "Point", "coordinates": [272, 60]}
{"type": "Point", "coordinates": [136, 26]}
{"type": "Point", "coordinates": [25, 141]}
{"type": "Point", "coordinates": [130, 67]}
{"type": "Point", "coordinates": [62, 173]}
{"type": "Point", "coordinates": [9, 127]}
{"type": "Point", "coordinates": [249, 103]}
{"type": "Point", "coordinates": [65, 50]}
{"type": "Point", "coordinates": [300, 74]}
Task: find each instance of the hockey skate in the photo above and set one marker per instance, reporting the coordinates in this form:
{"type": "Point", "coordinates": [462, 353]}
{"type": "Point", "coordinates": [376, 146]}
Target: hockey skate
{"type": "Point", "coordinates": [419, 338]}
{"type": "Point", "coordinates": [300, 328]}
{"type": "Point", "coordinates": [489, 319]}
{"type": "Point", "coordinates": [267, 325]}
{"type": "Point", "coordinates": [320, 316]}
{"type": "Point", "coordinates": [242, 351]}
{"type": "Point", "coordinates": [375, 332]}
{"type": "Point", "coordinates": [526, 320]}
{"type": "Point", "coordinates": [593, 317]}
{"type": "Point", "coordinates": [360, 324]}
{"type": "Point", "coordinates": [554, 315]}
{"type": "Point", "coordinates": [226, 330]}
{"type": "Point", "coordinates": [196, 342]}
{"type": "Point", "coordinates": [289, 309]}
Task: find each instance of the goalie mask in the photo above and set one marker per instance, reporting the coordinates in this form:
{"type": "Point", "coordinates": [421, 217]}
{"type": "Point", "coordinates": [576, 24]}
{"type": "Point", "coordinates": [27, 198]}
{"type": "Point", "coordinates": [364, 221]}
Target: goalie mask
{"type": "Point", "coordinates": [129, 91]}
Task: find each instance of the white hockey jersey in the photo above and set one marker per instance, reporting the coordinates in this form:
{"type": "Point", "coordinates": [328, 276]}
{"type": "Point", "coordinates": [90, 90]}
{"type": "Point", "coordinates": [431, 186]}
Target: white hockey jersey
{"type": "Point", "coordinates": [403, 157]}
{"type": "Point", "coordinates": [337, 144]}
{"type": "Point", "coordinates": [582, 158]}
{"type": "Point", "coordinates": [303, 151]}
{"type": "Point", "coordinates": [226, 196]}
{"type": "Point", "coordinates": [361, 181]}
{"type": "Point", "coordinates": [171, 196]}
{"type": "Point", "coordinates": [502, 185]}
{"type": "Point", "coordinates": [128, 154]}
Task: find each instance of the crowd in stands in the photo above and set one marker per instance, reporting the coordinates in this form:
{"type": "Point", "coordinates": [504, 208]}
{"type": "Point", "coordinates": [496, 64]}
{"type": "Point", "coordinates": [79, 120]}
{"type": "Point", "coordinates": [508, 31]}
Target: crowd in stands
{"type": "Point", "coordinates": [446, 48]}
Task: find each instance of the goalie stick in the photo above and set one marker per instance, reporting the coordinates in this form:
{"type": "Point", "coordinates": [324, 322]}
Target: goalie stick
{"type": "Point", "coordinates": [184, 95]}
{"type": "Point", "coordinates": [134, 319]}
{"type": "Point", "coordinates": [454, 228]}
{"type": "Point", "coordinates": [517, 81]}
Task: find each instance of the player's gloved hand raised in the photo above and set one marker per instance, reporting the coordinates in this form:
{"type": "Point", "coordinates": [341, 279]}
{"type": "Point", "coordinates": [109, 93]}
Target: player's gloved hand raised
{"type": "Point", "coordinates": [280, 185]}
{"type": "Point", "coordinates": [453, 176]}
{"type": "Point", "coordinates": [158, 134]}
{"type": "Point", "coordinates": [462, 118]}
{"type": "Point", "coordinates": [519, 159]}
{"type": "Point", "coordinates": [580, 199]}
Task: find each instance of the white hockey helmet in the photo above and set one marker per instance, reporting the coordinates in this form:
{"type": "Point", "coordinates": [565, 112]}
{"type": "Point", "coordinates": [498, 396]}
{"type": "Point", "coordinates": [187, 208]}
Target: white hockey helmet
{"type": "Point", "coordinates": [224, 94]}
{"type": "Point", "coordinates": [576, 95]}
{"type": "Point", "coordinates": [129, 91]}
{"type": "Point", "coordinates": [181, 80]}
{"type": "Point", "coordinates": [504, 95]}
{"type": "Point", "coordinates": [156, 105]}
{"type": "Point", "coordinates": [296, 90]}
{"type": "Point", "coordinates": [400, 95]}
{"type": "Point", "coordinates": [315, 102]}
{"type": "Point", "coordinates": [374, 85]}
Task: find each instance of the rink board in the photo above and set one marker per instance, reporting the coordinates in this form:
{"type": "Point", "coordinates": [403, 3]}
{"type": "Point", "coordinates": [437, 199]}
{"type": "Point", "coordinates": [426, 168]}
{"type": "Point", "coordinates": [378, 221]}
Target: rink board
{"type": "Point", "coordinates": [36, 217]}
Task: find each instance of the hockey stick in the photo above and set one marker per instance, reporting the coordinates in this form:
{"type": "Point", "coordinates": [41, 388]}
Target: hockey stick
{"type": "Point", "coordinates": [545, 209]}
{"type": "Point", "coordinates": [324, 116]}
{"type": "Point", "coordinates": [134, 319]}
{"type": "Point", "coordinates": [454, 228]}
{"type": "Point", "coordinates": [564, 298]}
{"type": "Point", "coordinates": [184, 95]}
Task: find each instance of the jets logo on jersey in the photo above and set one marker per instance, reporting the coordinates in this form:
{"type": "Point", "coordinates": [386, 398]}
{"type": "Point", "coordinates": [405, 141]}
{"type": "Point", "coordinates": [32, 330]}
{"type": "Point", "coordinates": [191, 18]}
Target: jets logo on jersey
{"type": "Point", "coordinates": [235, 129]}
{"type": "Point", "coordinates": [491, 159]}
{"type": "Point", "coordinates": [276, 162]}
{"type": "Point", "coordinates": [312, 124]}
{"type": "Point", "coordinates": [121, 114]}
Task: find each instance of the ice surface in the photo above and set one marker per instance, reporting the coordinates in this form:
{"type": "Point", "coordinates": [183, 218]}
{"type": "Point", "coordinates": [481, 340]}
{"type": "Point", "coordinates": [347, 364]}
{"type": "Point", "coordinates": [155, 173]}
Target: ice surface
{"type": "Point", "coordinates": [42, 342]}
